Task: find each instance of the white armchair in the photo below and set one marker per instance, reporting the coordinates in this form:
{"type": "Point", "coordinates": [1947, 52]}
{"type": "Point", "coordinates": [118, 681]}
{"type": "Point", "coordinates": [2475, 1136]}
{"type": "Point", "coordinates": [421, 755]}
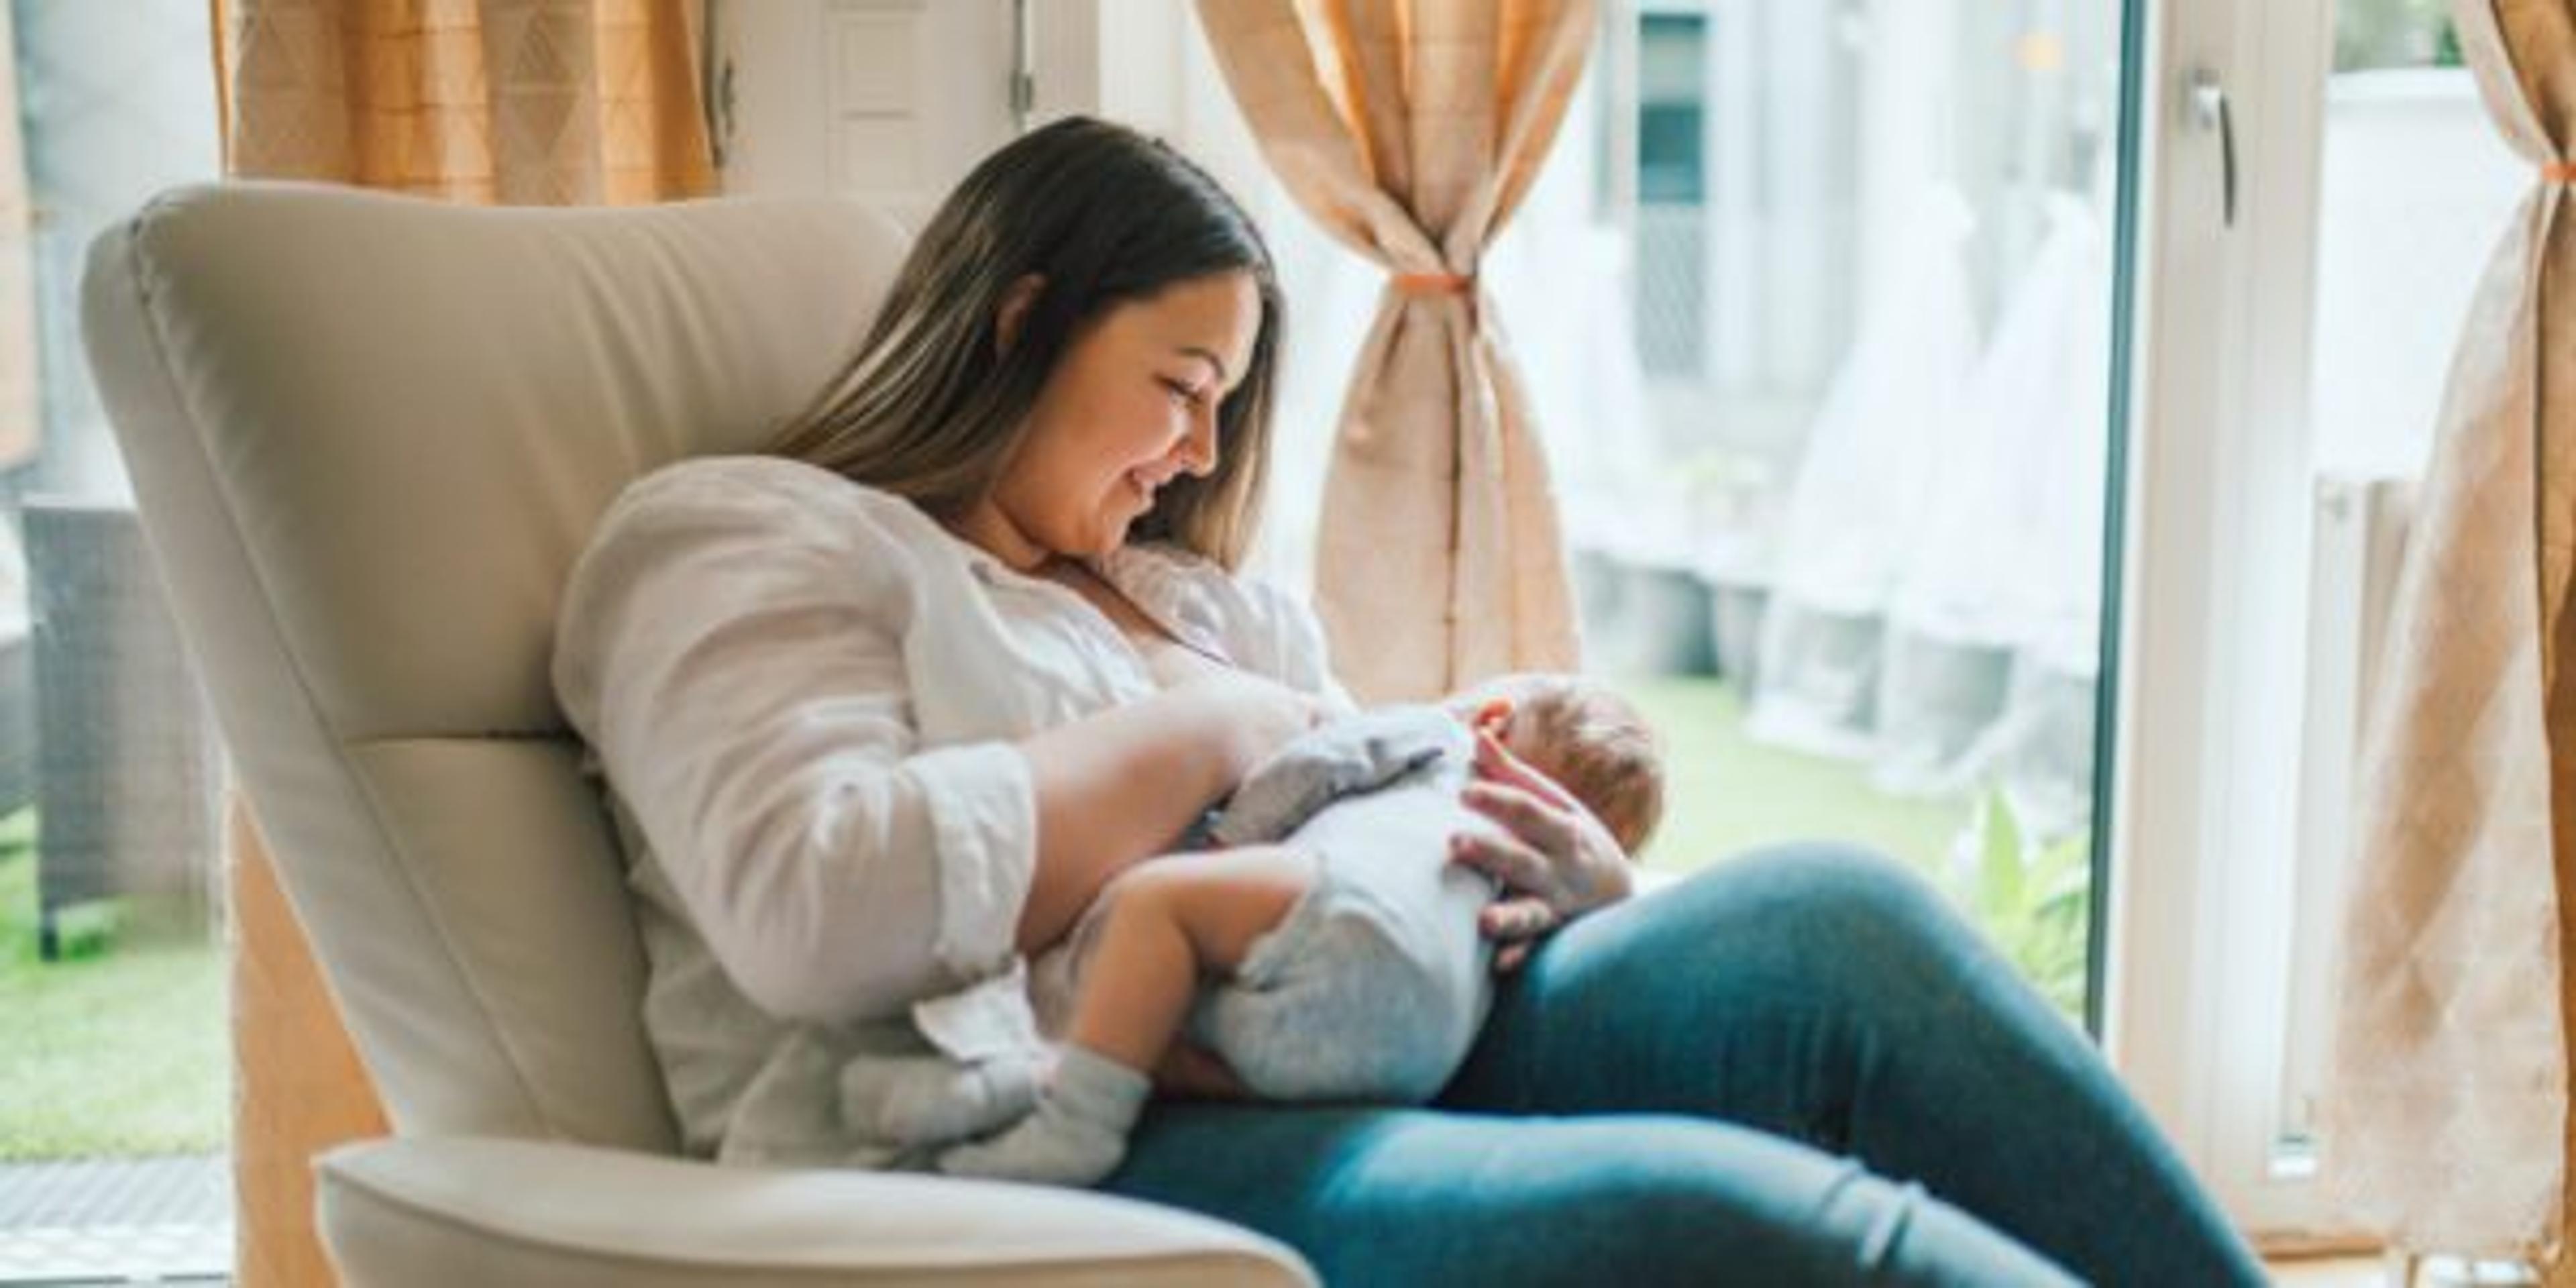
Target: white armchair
{"type": "Point", "coordinates": [368, 435]}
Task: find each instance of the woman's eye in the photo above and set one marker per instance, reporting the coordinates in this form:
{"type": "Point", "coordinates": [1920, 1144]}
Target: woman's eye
{"type": "Point", "coordinates": [1182, 393]}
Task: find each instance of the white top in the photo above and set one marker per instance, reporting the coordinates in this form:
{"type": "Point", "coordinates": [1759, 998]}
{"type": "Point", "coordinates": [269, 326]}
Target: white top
{"type": "Point", "coordinates": [805, 696]}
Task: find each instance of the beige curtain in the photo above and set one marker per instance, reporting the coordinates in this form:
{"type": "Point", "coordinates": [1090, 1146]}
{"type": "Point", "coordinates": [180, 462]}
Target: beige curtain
{"type": "Point", "coordinates": [21, 432]}
{"type": "Point", "coordinates": [545, 102]}
{"type": "Point", "coordinates": [1411, 129]}
{"type": "Point", "coordinates": [2446, 1123]}
{"type": "Point", "coordinates": [521, 102]}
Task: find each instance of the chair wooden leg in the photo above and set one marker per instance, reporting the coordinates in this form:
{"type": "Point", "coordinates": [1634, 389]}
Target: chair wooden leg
{"type": "Point", "coordinates": [298, 1088]}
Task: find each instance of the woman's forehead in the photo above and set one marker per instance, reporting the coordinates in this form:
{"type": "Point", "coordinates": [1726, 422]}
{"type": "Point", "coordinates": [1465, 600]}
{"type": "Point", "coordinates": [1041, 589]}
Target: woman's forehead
{"type": "Point", "coordinates": [1218, 315]}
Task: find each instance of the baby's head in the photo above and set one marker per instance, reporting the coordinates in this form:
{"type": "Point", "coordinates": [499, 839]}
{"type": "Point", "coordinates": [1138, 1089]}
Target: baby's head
{"type": "Point", "coordinates": [1586, 738]}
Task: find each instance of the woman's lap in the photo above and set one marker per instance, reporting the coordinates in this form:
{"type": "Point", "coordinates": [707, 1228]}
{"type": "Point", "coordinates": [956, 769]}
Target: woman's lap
{"type": "Point", "coordinates": [1822, 999]}
{"type": "Point", "coordinates": [1423, 1196]}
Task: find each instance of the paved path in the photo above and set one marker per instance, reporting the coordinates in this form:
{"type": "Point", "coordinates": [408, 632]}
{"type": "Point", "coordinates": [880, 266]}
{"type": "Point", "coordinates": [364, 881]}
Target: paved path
{"type": "Point", "coordinates": [166, 1220]}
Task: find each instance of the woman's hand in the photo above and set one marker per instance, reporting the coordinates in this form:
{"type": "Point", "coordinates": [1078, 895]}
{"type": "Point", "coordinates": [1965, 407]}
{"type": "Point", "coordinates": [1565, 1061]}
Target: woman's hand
{"type": "Point", "coordinates": [1555, 861]}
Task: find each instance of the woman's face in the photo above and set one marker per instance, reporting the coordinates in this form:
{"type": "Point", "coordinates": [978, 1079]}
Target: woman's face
{"type": "Point", "coordinates": [1131, 404]}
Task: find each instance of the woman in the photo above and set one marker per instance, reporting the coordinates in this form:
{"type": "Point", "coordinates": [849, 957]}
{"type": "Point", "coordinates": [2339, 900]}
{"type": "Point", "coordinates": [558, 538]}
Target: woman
{"type": "Point", "coordinates": [882, 711]}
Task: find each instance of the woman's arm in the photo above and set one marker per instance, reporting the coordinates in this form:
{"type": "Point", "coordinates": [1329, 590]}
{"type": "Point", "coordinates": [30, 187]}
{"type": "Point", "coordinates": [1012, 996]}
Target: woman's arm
{"type": "Point", "coordinates": [732, 646]}
{"type": "Point", "coordinates": [1117, 786]}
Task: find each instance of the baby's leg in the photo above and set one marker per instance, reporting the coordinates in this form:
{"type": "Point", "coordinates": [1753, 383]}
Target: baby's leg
{"type": "Point", "coordinates": [1356, 1001]}
{"type": "Point", "coordinates": [1168, 921]}
{"type": "Point", "coordinates": [1173, 920]}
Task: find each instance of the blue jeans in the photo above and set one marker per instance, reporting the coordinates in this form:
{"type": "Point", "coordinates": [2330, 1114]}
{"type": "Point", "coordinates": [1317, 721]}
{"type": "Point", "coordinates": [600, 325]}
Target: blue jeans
{"type": "Point", "coordinates": [1795, 1068]}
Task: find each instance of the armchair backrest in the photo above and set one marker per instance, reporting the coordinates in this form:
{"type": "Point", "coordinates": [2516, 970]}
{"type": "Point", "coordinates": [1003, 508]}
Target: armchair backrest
{"type": "Point", "coordinates": [368, 435]}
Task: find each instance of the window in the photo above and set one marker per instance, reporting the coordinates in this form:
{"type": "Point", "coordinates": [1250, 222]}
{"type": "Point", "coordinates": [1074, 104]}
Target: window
{"type": "Point", "coordinates": [1813, 301]}
{"type": "Point", "coordinates": [114, 1095]}
{"type": "Point", "coordinates": [1869, 275]}
{"type": "Point", "coordinates": [1672, 170]}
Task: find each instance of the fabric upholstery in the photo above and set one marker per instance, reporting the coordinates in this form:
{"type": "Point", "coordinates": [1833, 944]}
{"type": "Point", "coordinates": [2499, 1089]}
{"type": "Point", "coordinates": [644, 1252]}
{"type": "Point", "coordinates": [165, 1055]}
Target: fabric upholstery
{"type": "Point", "coordinates": [21, 421]}
{"type": "Point", "coordinates": [543, 102]}
{"type": "Point", "coordinates": [519, 102]}
{"type": "Point", "coordinates": [509, 1212]}
{"type": "Point", "coordinates": [364, 508]}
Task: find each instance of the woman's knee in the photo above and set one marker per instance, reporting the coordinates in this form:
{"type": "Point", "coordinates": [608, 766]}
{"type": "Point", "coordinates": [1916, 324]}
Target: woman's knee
{"type": "Point", "coordinates": [1832, 891]}
{"type": "Point", "coordinates": [1844, 886]}
{"type": "Point", "coordinates": [1844, 924]}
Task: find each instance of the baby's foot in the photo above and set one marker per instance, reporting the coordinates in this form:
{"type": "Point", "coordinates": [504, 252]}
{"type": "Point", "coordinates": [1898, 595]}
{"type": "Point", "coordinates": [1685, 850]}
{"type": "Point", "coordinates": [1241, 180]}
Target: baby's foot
{"type": "Point", "coordinates": [1077, 1135]}
{"type": "Point", "coordinates": [934, 1100]}
{"type": "Point", "coordinates": [1049, 1147]}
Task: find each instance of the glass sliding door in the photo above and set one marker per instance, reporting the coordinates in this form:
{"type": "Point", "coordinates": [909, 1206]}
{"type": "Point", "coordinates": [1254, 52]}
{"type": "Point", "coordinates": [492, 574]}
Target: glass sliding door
{"type": "Point", "coordinates": [1851, 557]}
{"type": "Point", "coordinates": [1817, 303]}
{"type": "Point", "coordinates": [115, 1089]}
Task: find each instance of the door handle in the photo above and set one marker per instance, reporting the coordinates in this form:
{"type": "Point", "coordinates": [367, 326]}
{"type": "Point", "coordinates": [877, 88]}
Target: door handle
{"type": "Point", "coordinates": [2210, 111]}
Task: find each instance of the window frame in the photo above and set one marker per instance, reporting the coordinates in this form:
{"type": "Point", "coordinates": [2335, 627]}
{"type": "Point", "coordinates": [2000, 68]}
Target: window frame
{"type": "Point", "coordinates": [2205, 860]}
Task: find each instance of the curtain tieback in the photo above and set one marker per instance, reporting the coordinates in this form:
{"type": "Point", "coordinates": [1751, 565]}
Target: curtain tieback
{"type": "Point", "coordinates": [1421, 284]}
{"type": "Point", "coordinates": [2558, 172]}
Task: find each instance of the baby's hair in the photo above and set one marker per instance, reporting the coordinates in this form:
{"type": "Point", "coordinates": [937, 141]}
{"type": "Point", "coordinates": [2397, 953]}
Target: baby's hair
{"type": "Point", "coordinates": [1604, 753]}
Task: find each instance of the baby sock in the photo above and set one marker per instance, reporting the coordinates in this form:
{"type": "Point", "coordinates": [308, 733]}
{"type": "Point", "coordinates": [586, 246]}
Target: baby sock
{"type": "Point", "coordinates": [934, 1100]}
{"type": "Point", "coordinates": [1077, 1134]}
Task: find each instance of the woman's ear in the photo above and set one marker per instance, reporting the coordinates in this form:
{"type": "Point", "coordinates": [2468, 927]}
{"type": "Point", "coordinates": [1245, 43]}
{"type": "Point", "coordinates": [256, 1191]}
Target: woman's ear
{"type": "Point", "coordinates": [1017, 299]}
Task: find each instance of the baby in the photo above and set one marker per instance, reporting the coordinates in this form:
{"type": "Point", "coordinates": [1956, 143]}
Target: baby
{"type": "Point", "coordinates": [1344, 964]}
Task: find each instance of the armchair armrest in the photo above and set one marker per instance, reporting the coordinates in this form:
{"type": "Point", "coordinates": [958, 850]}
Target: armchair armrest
{"type": "Point", "coordinates": [488, 1211]}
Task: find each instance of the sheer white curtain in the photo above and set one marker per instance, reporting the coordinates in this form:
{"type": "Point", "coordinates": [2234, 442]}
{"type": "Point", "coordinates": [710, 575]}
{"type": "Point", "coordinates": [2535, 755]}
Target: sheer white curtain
{"type": "Point", "coordinates": [1934, 583]}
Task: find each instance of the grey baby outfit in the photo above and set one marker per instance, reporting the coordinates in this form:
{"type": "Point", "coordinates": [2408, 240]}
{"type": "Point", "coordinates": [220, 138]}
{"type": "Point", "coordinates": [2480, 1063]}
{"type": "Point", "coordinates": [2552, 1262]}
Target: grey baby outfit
{"type": "Point", "coordinates": [1374, 984]}
{"type": "Point", "coordinates": [1371, 987]}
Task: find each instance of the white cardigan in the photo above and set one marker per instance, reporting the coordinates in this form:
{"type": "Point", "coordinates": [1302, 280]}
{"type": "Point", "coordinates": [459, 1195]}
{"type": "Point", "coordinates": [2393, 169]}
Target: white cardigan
{"type": "Point", "coordinates": [805, 695]}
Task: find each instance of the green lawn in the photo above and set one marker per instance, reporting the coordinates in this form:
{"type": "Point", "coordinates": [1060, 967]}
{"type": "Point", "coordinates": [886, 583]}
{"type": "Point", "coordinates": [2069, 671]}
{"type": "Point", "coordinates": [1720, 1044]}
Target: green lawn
{"type": "Point", "coordinates": [118, 1049]}
{"type": "Point", "coordinates": [1728, 794]}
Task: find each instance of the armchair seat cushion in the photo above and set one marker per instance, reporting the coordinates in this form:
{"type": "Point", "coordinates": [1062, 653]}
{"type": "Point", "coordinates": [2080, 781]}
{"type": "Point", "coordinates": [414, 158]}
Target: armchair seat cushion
{"type": "Point", "coordinates": [469, 1210]}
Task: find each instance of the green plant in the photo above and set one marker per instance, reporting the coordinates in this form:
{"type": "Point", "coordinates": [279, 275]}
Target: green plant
{"type": "Point", "coordinates": [2031, 895]}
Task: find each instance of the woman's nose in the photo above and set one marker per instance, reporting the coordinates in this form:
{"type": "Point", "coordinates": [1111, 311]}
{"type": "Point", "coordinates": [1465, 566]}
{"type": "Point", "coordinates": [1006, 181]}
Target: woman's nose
{"type": "Point", "coordinates": [1198, 446]}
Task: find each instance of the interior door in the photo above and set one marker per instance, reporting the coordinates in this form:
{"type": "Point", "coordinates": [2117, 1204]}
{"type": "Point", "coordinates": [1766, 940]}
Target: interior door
{"type": "Point", "coordinates": [886, 100]}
